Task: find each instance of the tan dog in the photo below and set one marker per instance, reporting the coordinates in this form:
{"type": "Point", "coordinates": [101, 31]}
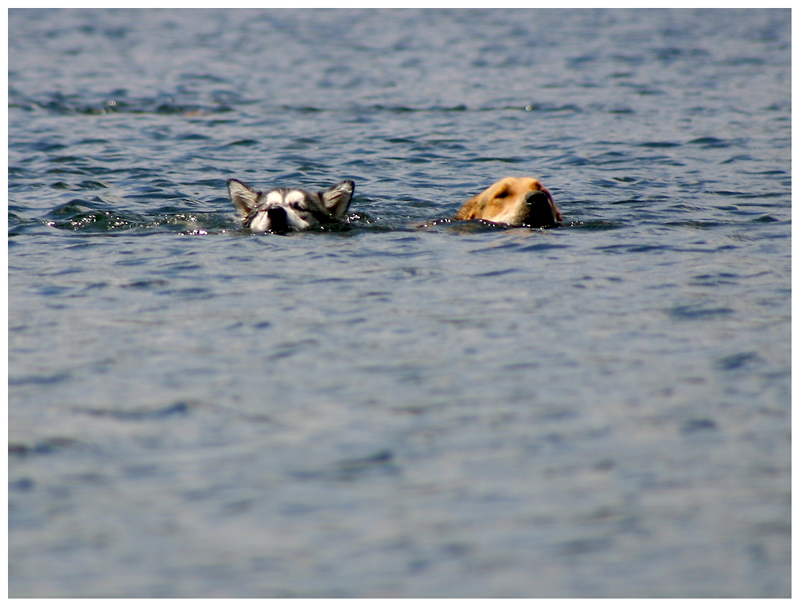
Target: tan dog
{"type": "Point", "coordinates": [515, 201]}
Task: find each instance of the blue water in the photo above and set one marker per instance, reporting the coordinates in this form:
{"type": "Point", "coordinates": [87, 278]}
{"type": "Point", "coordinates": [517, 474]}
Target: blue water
{"type": "Point", "coordinates": [403, 407]}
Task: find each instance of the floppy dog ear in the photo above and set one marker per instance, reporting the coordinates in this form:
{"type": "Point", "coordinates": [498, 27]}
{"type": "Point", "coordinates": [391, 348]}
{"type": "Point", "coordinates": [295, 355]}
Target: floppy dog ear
{"type": "Point", "coordinates": [471, 209]}
{"type": "Point", "coordinates": [242, 196]}
{"type": "Point", "coordinates": [337, 198]}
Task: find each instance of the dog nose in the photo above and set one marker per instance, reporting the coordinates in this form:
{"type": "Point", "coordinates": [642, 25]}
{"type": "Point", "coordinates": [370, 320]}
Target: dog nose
{"type": "Point", "coordinates": [541, 213]}
{"type": "Point", "coordinates": [278, 222]}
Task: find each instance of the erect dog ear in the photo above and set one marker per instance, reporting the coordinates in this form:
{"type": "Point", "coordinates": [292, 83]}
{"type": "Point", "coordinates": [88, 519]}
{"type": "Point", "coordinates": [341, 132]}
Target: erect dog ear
{"type": "Point", "coordinates": [242, 196]}
{"type": "Point", "coordinates": [337, 198]}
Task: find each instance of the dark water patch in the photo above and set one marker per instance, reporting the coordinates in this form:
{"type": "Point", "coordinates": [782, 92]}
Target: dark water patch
{"type": "Point", "coordinates": [694, 426]}
{"type": "Point", "coordinates": [697, 225]}
{"type": "Point", "coordinates": [402, 109]}
{"type": "Point", "coordinates": [289, 349]}
{"type": "Point", "coordinates": [767, 172]}
{"type": "Point", "coordinates": [48, 446]}
{"type": "Point", "coordinates": [711, 142]}
{"type": "Point", "coordinates": [505, 247]}
{"type": "Point", "coordinates": [75, 105]}
{"type": "Point", "coordinates": [583, 546]}
{"type": "Point", "coordinates": [737, 158]}
{"type": "Point", "coordinates": [145, 284]}
{"type": "Point", "coordinates": [698, 313]}
{"type": "Point", "coordinates": [614, 182]}
{"type": "Point", "coordinates": [636, 248]}
{"type": "Point", "coordinates": [611, 157]}
{"type": "Point", "coordinates": [22, 484]}
{"type": "Point", "coordinates": [543, 246]}
{"type": "Point", "coordinates": [500, 159]}
{"type": "Point", "coordinates": [83, 185]}
{"type": "Point", "coordinates": [302, 109]}
{"type": "Point", "coordinates": [19, 225]}
{"type": "Point", "coordinates": [715, 280]}
{"type": "Point", "coordinates": [70, 208]}
{"type": "Point", "coordinates": [53, 290]}
{"type": "Point", "coordinates": [740, 61]}
{"type": "Point", "coordinates": [738, 194]}
{"type": "Point", "coordinates": [352, 469]}
{"type": "Point", "coordinates": [570, 160]}
{"type": "Point", "coordinates": [179, 409]}
{"type": "Point", "coordinates": [93, 141]}
{"type": "Point", "coordinates": [66, 160]}
{"type": "Point", "coordinates": [497, 273]}
{"type": "Point", "coordinates": [659, 144]}
{"type": "Point", "coordinates": [74, 171]}
{"type": "Point", "coordinates": [735, 362]}
{"type": "Point", "coordinates": [194, 137]}
{"type": "Point", "coordinates": [360, 112]}
{"type": "Point", "coordinates": [80, 243]}
{"type": "Point", "coordinates": [43, 380]}
{"type": "Point", "coordinates": [44, 146]}
{"type": "Point", "coordinates": [642, 90]}
{"type": "Point", "coordinates": [90, 288]}
{"type": "Point", "coordinates": [244, 142]}
{"type": "Point", "coordinates": [671, 53]}
{"type": "Point", "coordinates": [246, 326]}
{"type": "Point", "coordinates": [596, 224]}
{"type": "Point", "coordinates": [180, 266]}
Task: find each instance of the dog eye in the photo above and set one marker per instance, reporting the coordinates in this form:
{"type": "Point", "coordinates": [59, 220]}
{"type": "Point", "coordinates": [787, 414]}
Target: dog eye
{"type": "Point", "coordinates": [502, 194]}
{"type": "Point", "coordinates": [298, 206]}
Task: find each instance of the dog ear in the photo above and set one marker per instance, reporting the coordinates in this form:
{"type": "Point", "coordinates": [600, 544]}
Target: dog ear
{"type": "Point", "coordinates": [242, 196]}
{"type": "Point", "coordinates": [470, 209]}
{"type": "Point", "coordinates": [337, 198]}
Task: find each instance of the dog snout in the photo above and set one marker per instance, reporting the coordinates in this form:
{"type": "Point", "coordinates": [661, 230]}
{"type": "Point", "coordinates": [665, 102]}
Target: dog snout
{"type": "Point", "coordinates": [541, 213]}
{"type": "Point", "coordinates": [278, 222]}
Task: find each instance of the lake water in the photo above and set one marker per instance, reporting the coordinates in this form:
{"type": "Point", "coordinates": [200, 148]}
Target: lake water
{"type": "Point", "coordinates": [403, 407]}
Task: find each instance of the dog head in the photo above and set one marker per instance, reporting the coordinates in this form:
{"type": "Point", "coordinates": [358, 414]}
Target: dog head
{"type": "Point", "coordinates": [515, 201]}
{"type": "Point", "coordinates": [284, 209]}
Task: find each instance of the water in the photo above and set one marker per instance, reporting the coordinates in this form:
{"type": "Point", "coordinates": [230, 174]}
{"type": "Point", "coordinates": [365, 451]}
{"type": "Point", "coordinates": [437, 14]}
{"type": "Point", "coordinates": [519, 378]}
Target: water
{"type": "Point", "coordinates": [403, 407]}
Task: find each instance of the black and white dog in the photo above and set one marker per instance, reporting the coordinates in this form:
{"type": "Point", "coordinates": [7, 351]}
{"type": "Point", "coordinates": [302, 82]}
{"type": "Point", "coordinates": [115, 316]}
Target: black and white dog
{"type": "Point", "coordinates": [284, 209]}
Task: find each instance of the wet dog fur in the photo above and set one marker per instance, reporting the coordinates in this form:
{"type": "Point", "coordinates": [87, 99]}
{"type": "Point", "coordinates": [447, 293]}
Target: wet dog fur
{"type": "Point", "coordinates": [516, 201]}
{"type": "Point", "coordinates": [282, 210]}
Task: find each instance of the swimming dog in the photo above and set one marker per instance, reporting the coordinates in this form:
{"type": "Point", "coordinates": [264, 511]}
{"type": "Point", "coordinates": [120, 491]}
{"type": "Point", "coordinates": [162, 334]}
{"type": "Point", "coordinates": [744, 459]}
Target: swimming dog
{"type": "Point", "coordinates": [284, 209]}
{"type": "Point", "coordinates": [516, 201]}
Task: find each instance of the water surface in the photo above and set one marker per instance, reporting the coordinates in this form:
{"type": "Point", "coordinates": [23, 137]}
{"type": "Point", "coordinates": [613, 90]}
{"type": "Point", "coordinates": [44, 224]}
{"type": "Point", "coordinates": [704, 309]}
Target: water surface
{"type": "Point", "coordinates": [402, 407]}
